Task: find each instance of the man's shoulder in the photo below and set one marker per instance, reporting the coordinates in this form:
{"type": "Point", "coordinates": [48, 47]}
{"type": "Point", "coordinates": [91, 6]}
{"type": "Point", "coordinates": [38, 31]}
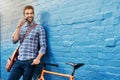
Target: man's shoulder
{"type": "Point", "coordinates": [39, 26]}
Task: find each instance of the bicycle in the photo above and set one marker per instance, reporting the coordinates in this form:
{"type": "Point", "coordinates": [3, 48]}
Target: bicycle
{"type": "Point", "coordinates": [71, 77]}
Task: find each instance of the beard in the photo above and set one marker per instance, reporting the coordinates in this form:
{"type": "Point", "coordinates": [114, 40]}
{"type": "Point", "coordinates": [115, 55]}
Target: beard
{"type": "Point", "coordinates": [30, 19]}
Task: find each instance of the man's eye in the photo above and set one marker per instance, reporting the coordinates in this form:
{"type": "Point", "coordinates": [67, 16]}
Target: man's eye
{"type": "Point", "coordinates": [26, 13]}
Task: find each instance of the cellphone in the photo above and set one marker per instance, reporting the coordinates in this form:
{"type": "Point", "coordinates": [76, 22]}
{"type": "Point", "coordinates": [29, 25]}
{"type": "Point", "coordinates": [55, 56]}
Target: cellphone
{"type": "Point", "coordinates": [25, 20]}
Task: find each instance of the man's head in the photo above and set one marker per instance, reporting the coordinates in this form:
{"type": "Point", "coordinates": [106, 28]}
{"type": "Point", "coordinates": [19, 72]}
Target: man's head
{"type": "Point", "coordinates": [28, 13]}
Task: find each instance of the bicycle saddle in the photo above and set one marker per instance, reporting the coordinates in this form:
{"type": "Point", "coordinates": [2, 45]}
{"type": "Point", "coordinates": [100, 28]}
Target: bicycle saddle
{"type": "Point", "coordinates": [75, 65]}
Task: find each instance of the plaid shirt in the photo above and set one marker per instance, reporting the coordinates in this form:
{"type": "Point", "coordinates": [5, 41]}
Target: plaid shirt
{"type": "Point", "coordinates": [33, 44]}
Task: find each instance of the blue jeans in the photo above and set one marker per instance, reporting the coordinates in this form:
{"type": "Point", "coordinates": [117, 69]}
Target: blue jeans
{"type": "Point", "coordinates": [22, 68]}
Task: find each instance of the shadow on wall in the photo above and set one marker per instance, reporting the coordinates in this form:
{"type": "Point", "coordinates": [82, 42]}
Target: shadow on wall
{"type": "Point", "coordinates": [44, 19]}
{"type": "Point", "coordinates": [44, 22]}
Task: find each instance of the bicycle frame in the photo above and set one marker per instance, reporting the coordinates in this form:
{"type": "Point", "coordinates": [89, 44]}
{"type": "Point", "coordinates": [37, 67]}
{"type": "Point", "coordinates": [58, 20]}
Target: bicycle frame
{"type": "Point", "coordinates": [71, 77]}
{"type": "Point", "coordinates": [55, 73]}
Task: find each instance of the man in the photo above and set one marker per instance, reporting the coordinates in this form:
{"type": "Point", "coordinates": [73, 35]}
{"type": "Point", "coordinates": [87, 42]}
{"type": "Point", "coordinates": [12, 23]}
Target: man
{"type": "Point", "coordinates": [32, 48]}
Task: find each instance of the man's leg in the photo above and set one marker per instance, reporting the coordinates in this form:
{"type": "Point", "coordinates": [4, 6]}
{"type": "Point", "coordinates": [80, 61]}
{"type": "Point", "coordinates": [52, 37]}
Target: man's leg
{"type": "Point", "coordinates": [28, 70]}
{"type": "Point", "coordinates": [16, 71]}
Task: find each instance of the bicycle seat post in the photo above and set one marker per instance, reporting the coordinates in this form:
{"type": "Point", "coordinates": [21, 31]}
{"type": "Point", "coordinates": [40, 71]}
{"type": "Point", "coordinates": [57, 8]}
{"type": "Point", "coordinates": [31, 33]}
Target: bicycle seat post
{"type": "Point", "coordinates": [75, 66]}
{"type": "Point", "coordinates": [73, 72]}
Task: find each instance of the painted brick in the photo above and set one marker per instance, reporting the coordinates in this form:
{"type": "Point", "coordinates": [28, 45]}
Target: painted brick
{"type": "Point", "coordinates": [110, 42]}
{"type": "Point", "coordinates": [85, 31]}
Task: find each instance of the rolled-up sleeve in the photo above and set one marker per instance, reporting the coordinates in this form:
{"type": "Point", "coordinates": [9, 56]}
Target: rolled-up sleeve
{"type": "Point", "coordinates": [42, 41]}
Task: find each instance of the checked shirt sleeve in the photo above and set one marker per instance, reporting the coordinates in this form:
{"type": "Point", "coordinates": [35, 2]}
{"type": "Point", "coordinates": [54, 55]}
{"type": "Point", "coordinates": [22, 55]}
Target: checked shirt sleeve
{"type": "Point", "coordinates": [42, 41]}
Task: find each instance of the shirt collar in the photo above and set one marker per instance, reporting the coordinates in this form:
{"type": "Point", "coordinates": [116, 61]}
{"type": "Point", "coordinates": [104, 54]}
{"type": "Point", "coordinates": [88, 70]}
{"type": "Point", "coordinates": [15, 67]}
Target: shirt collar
{"type": "Point", "coordinates": [31, 24]}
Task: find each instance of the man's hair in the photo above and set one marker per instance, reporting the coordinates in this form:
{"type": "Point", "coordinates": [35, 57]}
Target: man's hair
{"type": "Point", "coordinates": [28, 7]}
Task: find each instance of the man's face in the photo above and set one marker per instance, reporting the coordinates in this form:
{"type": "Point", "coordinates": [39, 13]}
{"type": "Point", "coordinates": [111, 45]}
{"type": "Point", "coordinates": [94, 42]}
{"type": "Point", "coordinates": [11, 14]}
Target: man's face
{"type": "Point", "coordinates": [29, 15]}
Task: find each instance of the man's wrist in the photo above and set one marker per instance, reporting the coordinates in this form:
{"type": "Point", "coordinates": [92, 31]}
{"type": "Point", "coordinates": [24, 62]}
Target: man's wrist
{"type": "Point", "coordinates": [18, 27]}
{"type": "Point", "coordinates": [37, 58]}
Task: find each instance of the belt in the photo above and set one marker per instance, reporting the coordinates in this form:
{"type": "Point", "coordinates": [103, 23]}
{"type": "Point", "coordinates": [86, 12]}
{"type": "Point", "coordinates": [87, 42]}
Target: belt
{"type": "Point", "coordinates": [30, 60]}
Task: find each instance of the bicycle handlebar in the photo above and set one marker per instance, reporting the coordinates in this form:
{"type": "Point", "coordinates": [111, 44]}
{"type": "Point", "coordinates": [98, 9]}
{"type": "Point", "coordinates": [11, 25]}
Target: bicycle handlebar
{"type": "Point", "coordinates": [50, 64]}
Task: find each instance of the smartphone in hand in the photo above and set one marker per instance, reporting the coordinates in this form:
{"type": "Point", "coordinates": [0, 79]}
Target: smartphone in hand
{"type": "Point", "coordinates": [24, 20]}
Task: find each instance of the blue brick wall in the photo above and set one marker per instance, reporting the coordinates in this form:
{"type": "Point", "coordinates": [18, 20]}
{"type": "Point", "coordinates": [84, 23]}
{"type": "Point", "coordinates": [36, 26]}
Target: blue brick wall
{"type": "Point", "coordinates": [84, 31]}
{"type": "Point", "coordinates": [0, 45]}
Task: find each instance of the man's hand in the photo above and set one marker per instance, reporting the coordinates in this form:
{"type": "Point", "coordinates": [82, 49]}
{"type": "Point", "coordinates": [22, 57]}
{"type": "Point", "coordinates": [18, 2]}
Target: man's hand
{"type": "Point", "coordinates": [35, 61]}
{"type": "Point", "coordinates": [21, 22]}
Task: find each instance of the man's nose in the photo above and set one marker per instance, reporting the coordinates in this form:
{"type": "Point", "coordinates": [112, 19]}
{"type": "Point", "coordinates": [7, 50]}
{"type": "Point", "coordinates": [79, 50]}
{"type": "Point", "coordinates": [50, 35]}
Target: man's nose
{"type": "Point", "coordinates": [29, 15]}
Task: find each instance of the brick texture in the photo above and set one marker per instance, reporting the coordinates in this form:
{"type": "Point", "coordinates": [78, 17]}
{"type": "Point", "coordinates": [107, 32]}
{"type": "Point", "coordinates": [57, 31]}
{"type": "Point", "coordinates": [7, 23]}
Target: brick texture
{"type": "Point", "coordinates": [84, 31]}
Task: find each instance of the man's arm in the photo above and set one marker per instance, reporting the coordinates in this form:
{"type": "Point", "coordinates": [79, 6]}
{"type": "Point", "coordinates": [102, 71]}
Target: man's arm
{"type": "Point", "coordinates": [37, 59]}
{"type": "Point", "coordinates": [15, 36]}
{"type": "Point", "coordinates": [42, 42]}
